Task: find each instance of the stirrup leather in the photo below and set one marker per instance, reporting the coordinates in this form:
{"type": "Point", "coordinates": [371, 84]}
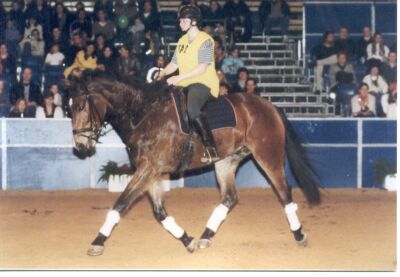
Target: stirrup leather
{"type": "Point", "coordinates": [211, 155]}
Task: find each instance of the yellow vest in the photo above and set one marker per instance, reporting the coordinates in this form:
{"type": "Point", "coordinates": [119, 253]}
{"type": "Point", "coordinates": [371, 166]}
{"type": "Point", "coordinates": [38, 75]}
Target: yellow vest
{"type": "Point", "coordinates": [188, 58]}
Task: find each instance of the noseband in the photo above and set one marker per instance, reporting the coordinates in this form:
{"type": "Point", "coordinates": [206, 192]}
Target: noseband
{"type": "Point", "coordinates": [97, 131]}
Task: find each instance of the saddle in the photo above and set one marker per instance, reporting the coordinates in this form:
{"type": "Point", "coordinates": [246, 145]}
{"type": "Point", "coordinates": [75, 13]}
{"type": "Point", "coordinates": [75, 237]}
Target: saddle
{"type": "Point", "coordinates": [219, 111]}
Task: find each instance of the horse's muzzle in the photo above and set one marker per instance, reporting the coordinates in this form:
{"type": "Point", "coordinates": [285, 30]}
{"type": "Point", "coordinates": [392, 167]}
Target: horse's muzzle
{"type": "Point", "coordinates": [82, 152]}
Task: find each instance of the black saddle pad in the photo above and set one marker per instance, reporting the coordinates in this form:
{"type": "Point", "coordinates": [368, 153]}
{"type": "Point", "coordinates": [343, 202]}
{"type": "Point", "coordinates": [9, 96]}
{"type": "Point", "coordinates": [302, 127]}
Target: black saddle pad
{"type": "Point", "coordinates": [219, 112]}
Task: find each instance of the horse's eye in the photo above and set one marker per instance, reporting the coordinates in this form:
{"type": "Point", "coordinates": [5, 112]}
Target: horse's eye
{"type": "Point", "coordinates": [80, 108]}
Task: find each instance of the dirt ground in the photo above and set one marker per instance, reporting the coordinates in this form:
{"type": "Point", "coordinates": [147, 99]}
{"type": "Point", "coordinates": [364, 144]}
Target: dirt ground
{"type": "Point", "coordinates": [350, 230]}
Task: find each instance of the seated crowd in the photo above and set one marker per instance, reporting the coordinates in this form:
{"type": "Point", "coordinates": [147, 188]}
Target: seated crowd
{"type": "Point", "coordinates": [362, 74]}
{"type": "Point", "coordinates": [49, 43]}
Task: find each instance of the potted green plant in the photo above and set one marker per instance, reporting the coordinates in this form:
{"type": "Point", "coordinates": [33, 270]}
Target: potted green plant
{"type": "Point", "coordinates": [116, 176]}
{"type": "Point", "coordinates": [385, 175]}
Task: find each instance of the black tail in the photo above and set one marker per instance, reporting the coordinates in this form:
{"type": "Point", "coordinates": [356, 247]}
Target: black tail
{"type": "Point", "coordinates": [300, 164]}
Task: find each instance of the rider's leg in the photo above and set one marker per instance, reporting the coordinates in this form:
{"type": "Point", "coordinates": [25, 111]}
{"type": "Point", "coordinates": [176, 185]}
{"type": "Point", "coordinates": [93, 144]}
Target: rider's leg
{"type": "Point", "coordinates": [198, 95]}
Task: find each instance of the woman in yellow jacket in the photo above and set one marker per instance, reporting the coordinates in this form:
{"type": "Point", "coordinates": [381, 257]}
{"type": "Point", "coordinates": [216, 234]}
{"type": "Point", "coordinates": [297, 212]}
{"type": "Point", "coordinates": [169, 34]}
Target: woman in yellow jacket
{"type": "Point", "coordinates": [85, 59]}
{"type": "Point", "coordinates": [194, 57]}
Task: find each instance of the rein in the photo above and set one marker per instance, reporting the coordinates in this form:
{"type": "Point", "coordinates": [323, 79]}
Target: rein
{"type": "Point", "coordinates": [97, 131]}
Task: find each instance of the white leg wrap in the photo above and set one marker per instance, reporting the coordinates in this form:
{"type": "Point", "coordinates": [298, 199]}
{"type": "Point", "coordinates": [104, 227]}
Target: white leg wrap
{"type": "Point", "coordinates": [111, 220]}
{"type": "Point", "coordinates": [294, 222]}
{"type": "Point", "coordinates": [171, 226]}
{"type": "Point", "coordinates": [218, 215]}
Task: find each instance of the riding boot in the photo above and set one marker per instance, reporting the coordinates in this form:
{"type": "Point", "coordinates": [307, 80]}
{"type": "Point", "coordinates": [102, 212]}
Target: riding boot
{"type": "Point", "coordinates": [201, 124]}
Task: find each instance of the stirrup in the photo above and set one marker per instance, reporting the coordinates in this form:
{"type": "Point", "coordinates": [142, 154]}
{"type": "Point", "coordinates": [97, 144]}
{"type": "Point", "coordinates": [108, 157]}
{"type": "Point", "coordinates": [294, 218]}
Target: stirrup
{"type": "Point", "coordinates": [211, 155]}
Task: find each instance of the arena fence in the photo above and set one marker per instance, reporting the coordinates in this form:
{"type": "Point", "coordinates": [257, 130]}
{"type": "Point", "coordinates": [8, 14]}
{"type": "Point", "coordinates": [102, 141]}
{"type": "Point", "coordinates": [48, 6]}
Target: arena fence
{"type": "Point", "coordinates": [37, 155]}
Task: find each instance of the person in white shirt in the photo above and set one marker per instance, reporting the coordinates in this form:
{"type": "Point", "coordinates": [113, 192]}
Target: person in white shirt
{"type": "Point", "coordinates": [48, 109]}
{"type": "Point", "coordinates": [54, 57]}
{"type": "Point", "coordinates": [55, 91]}
{"type": "Point", "coordinates": [377, 52]}
{"type": "Point", "coordinates": [377, 87]}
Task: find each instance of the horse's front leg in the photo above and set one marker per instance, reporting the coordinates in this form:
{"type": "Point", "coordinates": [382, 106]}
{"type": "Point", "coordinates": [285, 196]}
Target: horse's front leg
{"type": "Point", "coordinates": [143, 176]}
{"type": "Point", "coordinates": [167, 221]}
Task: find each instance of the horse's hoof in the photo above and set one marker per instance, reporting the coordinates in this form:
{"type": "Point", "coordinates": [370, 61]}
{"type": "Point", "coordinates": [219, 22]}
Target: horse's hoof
{"type": "Point", "coordinates": [95, 250]}
{"type": "Point", "coordinates": [204, 243]}
{"type": "Point", "coordinates": [191, 246]}
{"type": "Point", "coordinates": [303, 242]}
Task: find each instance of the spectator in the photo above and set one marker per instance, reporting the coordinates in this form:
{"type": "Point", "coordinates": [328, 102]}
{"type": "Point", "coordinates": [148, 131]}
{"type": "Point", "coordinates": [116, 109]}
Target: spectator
{"type": "Point", "coordinates": [377, 52]}
{"type": "Point", "coordinates": [33, 25]}
{"type": "Point", "coordinates": [4, 100]}
{"type": "Point", "coordinates": [341, 73]}
{"type": "Point", "coordinates": [224, 89]}
{"type": "Point", "coordinates": [345, 44]}
{"type": "Point", "coordinates": [251, 86]}
{"type": "Point", "coordinates": [222, 78]}
{"type": "Point", "coordinates": [389, 68]}
{"type": "Point", "coordinates": [43, 16]}
{"type": "Point", "coordinates": [219, 52]}
{"type": "Point", "coordinates": [125, 13]}
{"type": "Point", "coordinates": [85, 59]}
{"type": "Point", "coordinates": [106, 61]}
{"type": "Point", "coordinates": [26, 89]}
{"type": "Point", "coordinates": [104, 26]}
{"type": "Point", "coordinates": [49, 109]}
{"type": "Point", "coordinates": [377, 87]}
{"type": "Point", "coordinates": [8, 62]}
{"type": "Point", "coordinates": [29, 8]}
{"type": "Point", "coordinates": [54, 90]}
{"type": "Point", "coordinates": [363, 43]}
{"type": "Point", "coordinates": [16, 15]}
{"type": "Point", "coordinates": [3, 21]}
{"type": "Point", "coordinates": [138, 39]}
{"type": "Point", "coordinates": [274, 13]}
{"type": "Point", "coordinates": [325, 54]}
{"type": "Point", "coordinates": [363, 104]}
{"type": "Point", "coordinates": [213, 14]}
{"type": "Point", "coordinates": [231, 64]}
{"type": "Point", "coordinates": [128, 64]}
{"type": "Point", "coordinates": [240, 85]}
{"type": "Point", "coordinates": [61, 18]}
{"type": "Point", "coordinates": [238, 18]}
{"type": "Point", "coordinates": [389, 102]}
{"type": "Point", "coordinates": [151, 21]}
{"type": "Point", "coordinates": [13, 37]}
{"type": "Point", "coordinates": [22, 110]}
{"type": "Point", "coordinates": [100, 43]}
{"type": "Point", "coordinates": [81, 24]}
{"type": "Point", "coordinates": [32, 45]}
{"type": "Point", "coordinates": [76, 46]}
{"type": "Point", "coordinates": [54, 57]}
{"type": "Point", "coordinates": [57, 38]}
{"type": "Point", "coordinates": [106, 5]}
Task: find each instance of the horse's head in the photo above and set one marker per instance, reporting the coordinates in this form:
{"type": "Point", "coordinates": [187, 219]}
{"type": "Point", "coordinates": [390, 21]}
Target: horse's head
{"type": "Point", "coordinates": [88, 109]}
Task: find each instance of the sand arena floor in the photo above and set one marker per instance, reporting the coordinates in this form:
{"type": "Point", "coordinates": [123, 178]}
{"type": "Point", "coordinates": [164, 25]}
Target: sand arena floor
{"type": "Point", "coordinates": [350, 230]}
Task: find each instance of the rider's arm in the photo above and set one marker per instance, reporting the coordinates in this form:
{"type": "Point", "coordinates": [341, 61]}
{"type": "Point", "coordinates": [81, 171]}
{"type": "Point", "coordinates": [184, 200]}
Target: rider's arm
{"type": "Point", "coordinates": [169, 69]}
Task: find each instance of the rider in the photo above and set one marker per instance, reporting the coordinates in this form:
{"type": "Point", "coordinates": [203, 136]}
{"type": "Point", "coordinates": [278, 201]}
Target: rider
{"type": "Point", "coordinates": [194, 57]}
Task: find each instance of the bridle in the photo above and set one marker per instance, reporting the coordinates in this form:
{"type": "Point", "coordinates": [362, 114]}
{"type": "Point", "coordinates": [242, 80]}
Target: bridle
{"type": "Point", "coordinates": [97, 131]}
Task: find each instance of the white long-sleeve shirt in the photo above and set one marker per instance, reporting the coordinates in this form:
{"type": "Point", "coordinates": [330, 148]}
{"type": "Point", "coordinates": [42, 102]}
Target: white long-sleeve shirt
{"type": "Point", "coordinates": [381, 87]}
{"type": "Point", "coordinates": [376, 54]}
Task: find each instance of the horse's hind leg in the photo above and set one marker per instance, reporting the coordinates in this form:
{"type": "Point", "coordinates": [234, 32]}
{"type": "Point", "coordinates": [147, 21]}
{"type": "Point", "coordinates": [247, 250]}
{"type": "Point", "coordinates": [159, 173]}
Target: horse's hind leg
{"type": "Point", "coordinates": [273, 166]}
{"type": "Point", "coordinates": [143, 176]}
{"type": "Point", "coordinates": [225, 172]}
{"type": "Point", "coordinates": [168, 222]}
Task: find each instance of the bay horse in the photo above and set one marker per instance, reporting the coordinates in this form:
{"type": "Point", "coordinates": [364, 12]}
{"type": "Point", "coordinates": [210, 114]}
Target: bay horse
{"type": "Point", "coordinates": [145, 118]}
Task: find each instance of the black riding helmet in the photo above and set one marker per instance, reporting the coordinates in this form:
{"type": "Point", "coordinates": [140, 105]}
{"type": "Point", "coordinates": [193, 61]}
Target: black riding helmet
{"type": "Point", "coordinates": [191, 12]}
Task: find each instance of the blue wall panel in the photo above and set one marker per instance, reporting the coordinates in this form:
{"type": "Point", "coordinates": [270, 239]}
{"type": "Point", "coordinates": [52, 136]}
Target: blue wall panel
{"type": "Point", "coordinates": [386, 15]}
{"type": "Point", "coordinates": [318, 131]}
{"type": "Point", "coordinates": [374, 154]}
{"type": "Point", "coordinates": [46, 169]}
{"type": "Point", "coordinates": [380, 131]}
{"type": "Point", "coordinates": [323, 17]}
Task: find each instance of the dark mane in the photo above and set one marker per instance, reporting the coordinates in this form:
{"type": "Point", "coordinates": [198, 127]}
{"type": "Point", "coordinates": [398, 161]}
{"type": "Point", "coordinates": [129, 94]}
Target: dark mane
{"type": "Point", "coordinates": [155, 91]}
